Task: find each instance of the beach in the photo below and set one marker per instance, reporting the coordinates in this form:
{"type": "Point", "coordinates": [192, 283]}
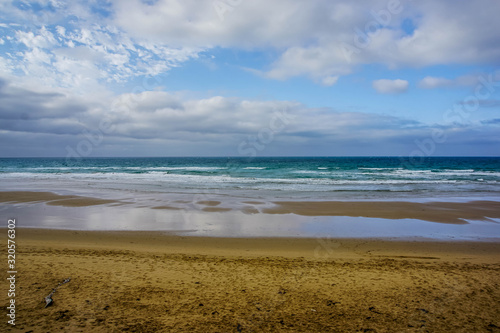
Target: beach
{"type": "Point", "coordinates": [159, 282]}
{"type": "Point", "coordinates": [291, 245]}
{"type": "Point", "coordinates": [170, 280]}
{"type": "Point", "coordinates": [249, 166]}
{"type": "Point", "coordinates": [476, 220]}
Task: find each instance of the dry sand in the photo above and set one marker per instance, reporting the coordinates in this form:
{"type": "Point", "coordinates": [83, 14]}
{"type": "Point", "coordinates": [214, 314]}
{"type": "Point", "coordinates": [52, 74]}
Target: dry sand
{"type": "Point", "coordinates": [152, 282]}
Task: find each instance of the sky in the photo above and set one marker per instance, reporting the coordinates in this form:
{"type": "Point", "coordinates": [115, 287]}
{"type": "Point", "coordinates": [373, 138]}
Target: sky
{"type": "Point", "coordinates": [249, 78]}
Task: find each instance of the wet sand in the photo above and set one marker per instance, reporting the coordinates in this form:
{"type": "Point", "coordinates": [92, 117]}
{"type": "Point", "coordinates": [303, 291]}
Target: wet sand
{"type": "Point", "coordinates": [158, 282]}
{"type": "Point", "coordinates": [52, 199]}
{"type": "Point", "coordinates": [442, 212]}
{"type": "Point", "coordinates": [163, 282]}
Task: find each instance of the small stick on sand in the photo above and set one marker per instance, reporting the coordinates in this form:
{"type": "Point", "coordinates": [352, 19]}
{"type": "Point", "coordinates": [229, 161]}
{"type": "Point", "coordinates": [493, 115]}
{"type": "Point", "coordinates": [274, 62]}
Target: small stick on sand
{"type": "Point", "coordinates": [48, 299]}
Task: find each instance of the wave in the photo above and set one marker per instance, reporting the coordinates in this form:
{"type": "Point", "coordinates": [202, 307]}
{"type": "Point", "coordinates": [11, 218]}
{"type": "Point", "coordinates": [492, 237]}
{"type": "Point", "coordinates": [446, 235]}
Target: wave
{"type": "Point", "coordinates": [459, 170]}
{"type": "Point", "coordinates": [307, 171]}
{"type": "Point", "coordinates": [380, 169]}
{"type": "Point", "coordinates": [195, 179]}
{"type": "Point", "coordinates": [309, 175]}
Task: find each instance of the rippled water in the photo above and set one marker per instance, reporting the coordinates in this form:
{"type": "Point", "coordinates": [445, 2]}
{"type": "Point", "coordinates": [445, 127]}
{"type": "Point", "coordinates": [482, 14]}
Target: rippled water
{"type": "Point", "coordinates": [309, 178]}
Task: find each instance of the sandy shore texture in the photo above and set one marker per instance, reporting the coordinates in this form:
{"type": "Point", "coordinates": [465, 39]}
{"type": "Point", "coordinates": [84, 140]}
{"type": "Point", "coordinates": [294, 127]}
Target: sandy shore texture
{"type": "Point", "coordinates": [154, 282]}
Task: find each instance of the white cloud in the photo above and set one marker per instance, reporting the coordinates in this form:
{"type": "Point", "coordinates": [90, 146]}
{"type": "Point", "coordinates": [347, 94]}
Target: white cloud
{"type": "Point", "coordinates": [43, 38]}
{"type": "Point", "coordinates": [385, 86]}
{"type": "Point", "coordinates": [85, 54]}
{"type": "Point", "coordinates": [430, 82]}
{"type": "Point", "coordinates": [318, 39]}
{"type": "Point", "coordinates": [61, 30]}
{"type": "Point", "coordinates": [312, 62]}
{"type": "Point", "coordinates": [312, 37]}
{"type": "Point", "coordinates": [330, 80]}
{"type": "Point", "coordinates": [248, 24]}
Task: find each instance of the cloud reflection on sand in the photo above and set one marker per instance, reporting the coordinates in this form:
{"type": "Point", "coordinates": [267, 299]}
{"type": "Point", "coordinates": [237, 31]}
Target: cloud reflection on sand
{"type": "Point", "coordinates": [238, 224]}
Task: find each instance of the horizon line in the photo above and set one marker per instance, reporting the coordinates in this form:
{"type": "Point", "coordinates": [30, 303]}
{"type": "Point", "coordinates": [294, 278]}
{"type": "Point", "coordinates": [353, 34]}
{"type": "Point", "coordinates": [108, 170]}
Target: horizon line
{"type": "Point", "coordinates": [276, 156]}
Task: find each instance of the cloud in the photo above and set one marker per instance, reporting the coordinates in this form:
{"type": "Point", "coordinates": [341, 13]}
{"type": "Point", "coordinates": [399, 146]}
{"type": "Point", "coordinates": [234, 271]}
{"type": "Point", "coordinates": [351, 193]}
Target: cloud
{"type": "Point", "coordinates": [315, 63]}
{"type": "Point", "coordinates": [495, 121]}
{"type": "Point", "coordinates": [86, 54]}
{"type": "Point", "coordinates": [323, 38]}
{"type": "Point", "coordinates": [330, 80]}
{"type": "Point", "coordinates": [318, 39]}
{"type": "Point", "coordinates": [483, 103]}
{"type": "Point", "coordinates": [385, 86]}
{"type": "Point", "coordinates": [431, 82]}
{"type": "Point", "coordinates": [42, 111]}
{"type": "Point", "coordinates": [46, 122]}
{"type": "Point", "coordinates": [247, 24]}
{"type": "Point", "coordinates": [61, 60]}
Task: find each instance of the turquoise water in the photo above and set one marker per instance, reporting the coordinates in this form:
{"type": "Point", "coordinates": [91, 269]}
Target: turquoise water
{"type": "Point", "coordinates": [241, 183]}
{"type": "Point", "coordinates": [312, 178]}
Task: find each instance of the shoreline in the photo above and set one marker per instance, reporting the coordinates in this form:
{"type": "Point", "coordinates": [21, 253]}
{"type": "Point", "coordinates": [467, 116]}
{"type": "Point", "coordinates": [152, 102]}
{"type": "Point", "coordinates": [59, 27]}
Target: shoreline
{"type": "Point", "coordinates": [432, 211]}
{"type": "Point", "coordinates": [442, 221]}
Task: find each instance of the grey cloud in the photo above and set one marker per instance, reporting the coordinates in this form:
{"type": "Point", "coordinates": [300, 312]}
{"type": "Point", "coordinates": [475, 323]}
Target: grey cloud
{"type": "Point", "coordinates": [484, 103]}
{"type": "Point", "coordinates": [491, 121]}
{"type": "Point", "coordinates": [23, 104]}
{"type": "Point", "coordinates": [385, 86]}
{"type": "Point", "coordinates": [161, 123]}
{"type": "Point", "coordinates": [430, 82]}
{"type": "Point", "coordinates": [34, 111]}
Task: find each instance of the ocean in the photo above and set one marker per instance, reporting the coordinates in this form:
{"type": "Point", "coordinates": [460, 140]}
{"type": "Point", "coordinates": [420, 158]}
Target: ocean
{"type": "Point", "coordinates": [264, 178]}
{"type": "Point", "coordinates": [221, 197]}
